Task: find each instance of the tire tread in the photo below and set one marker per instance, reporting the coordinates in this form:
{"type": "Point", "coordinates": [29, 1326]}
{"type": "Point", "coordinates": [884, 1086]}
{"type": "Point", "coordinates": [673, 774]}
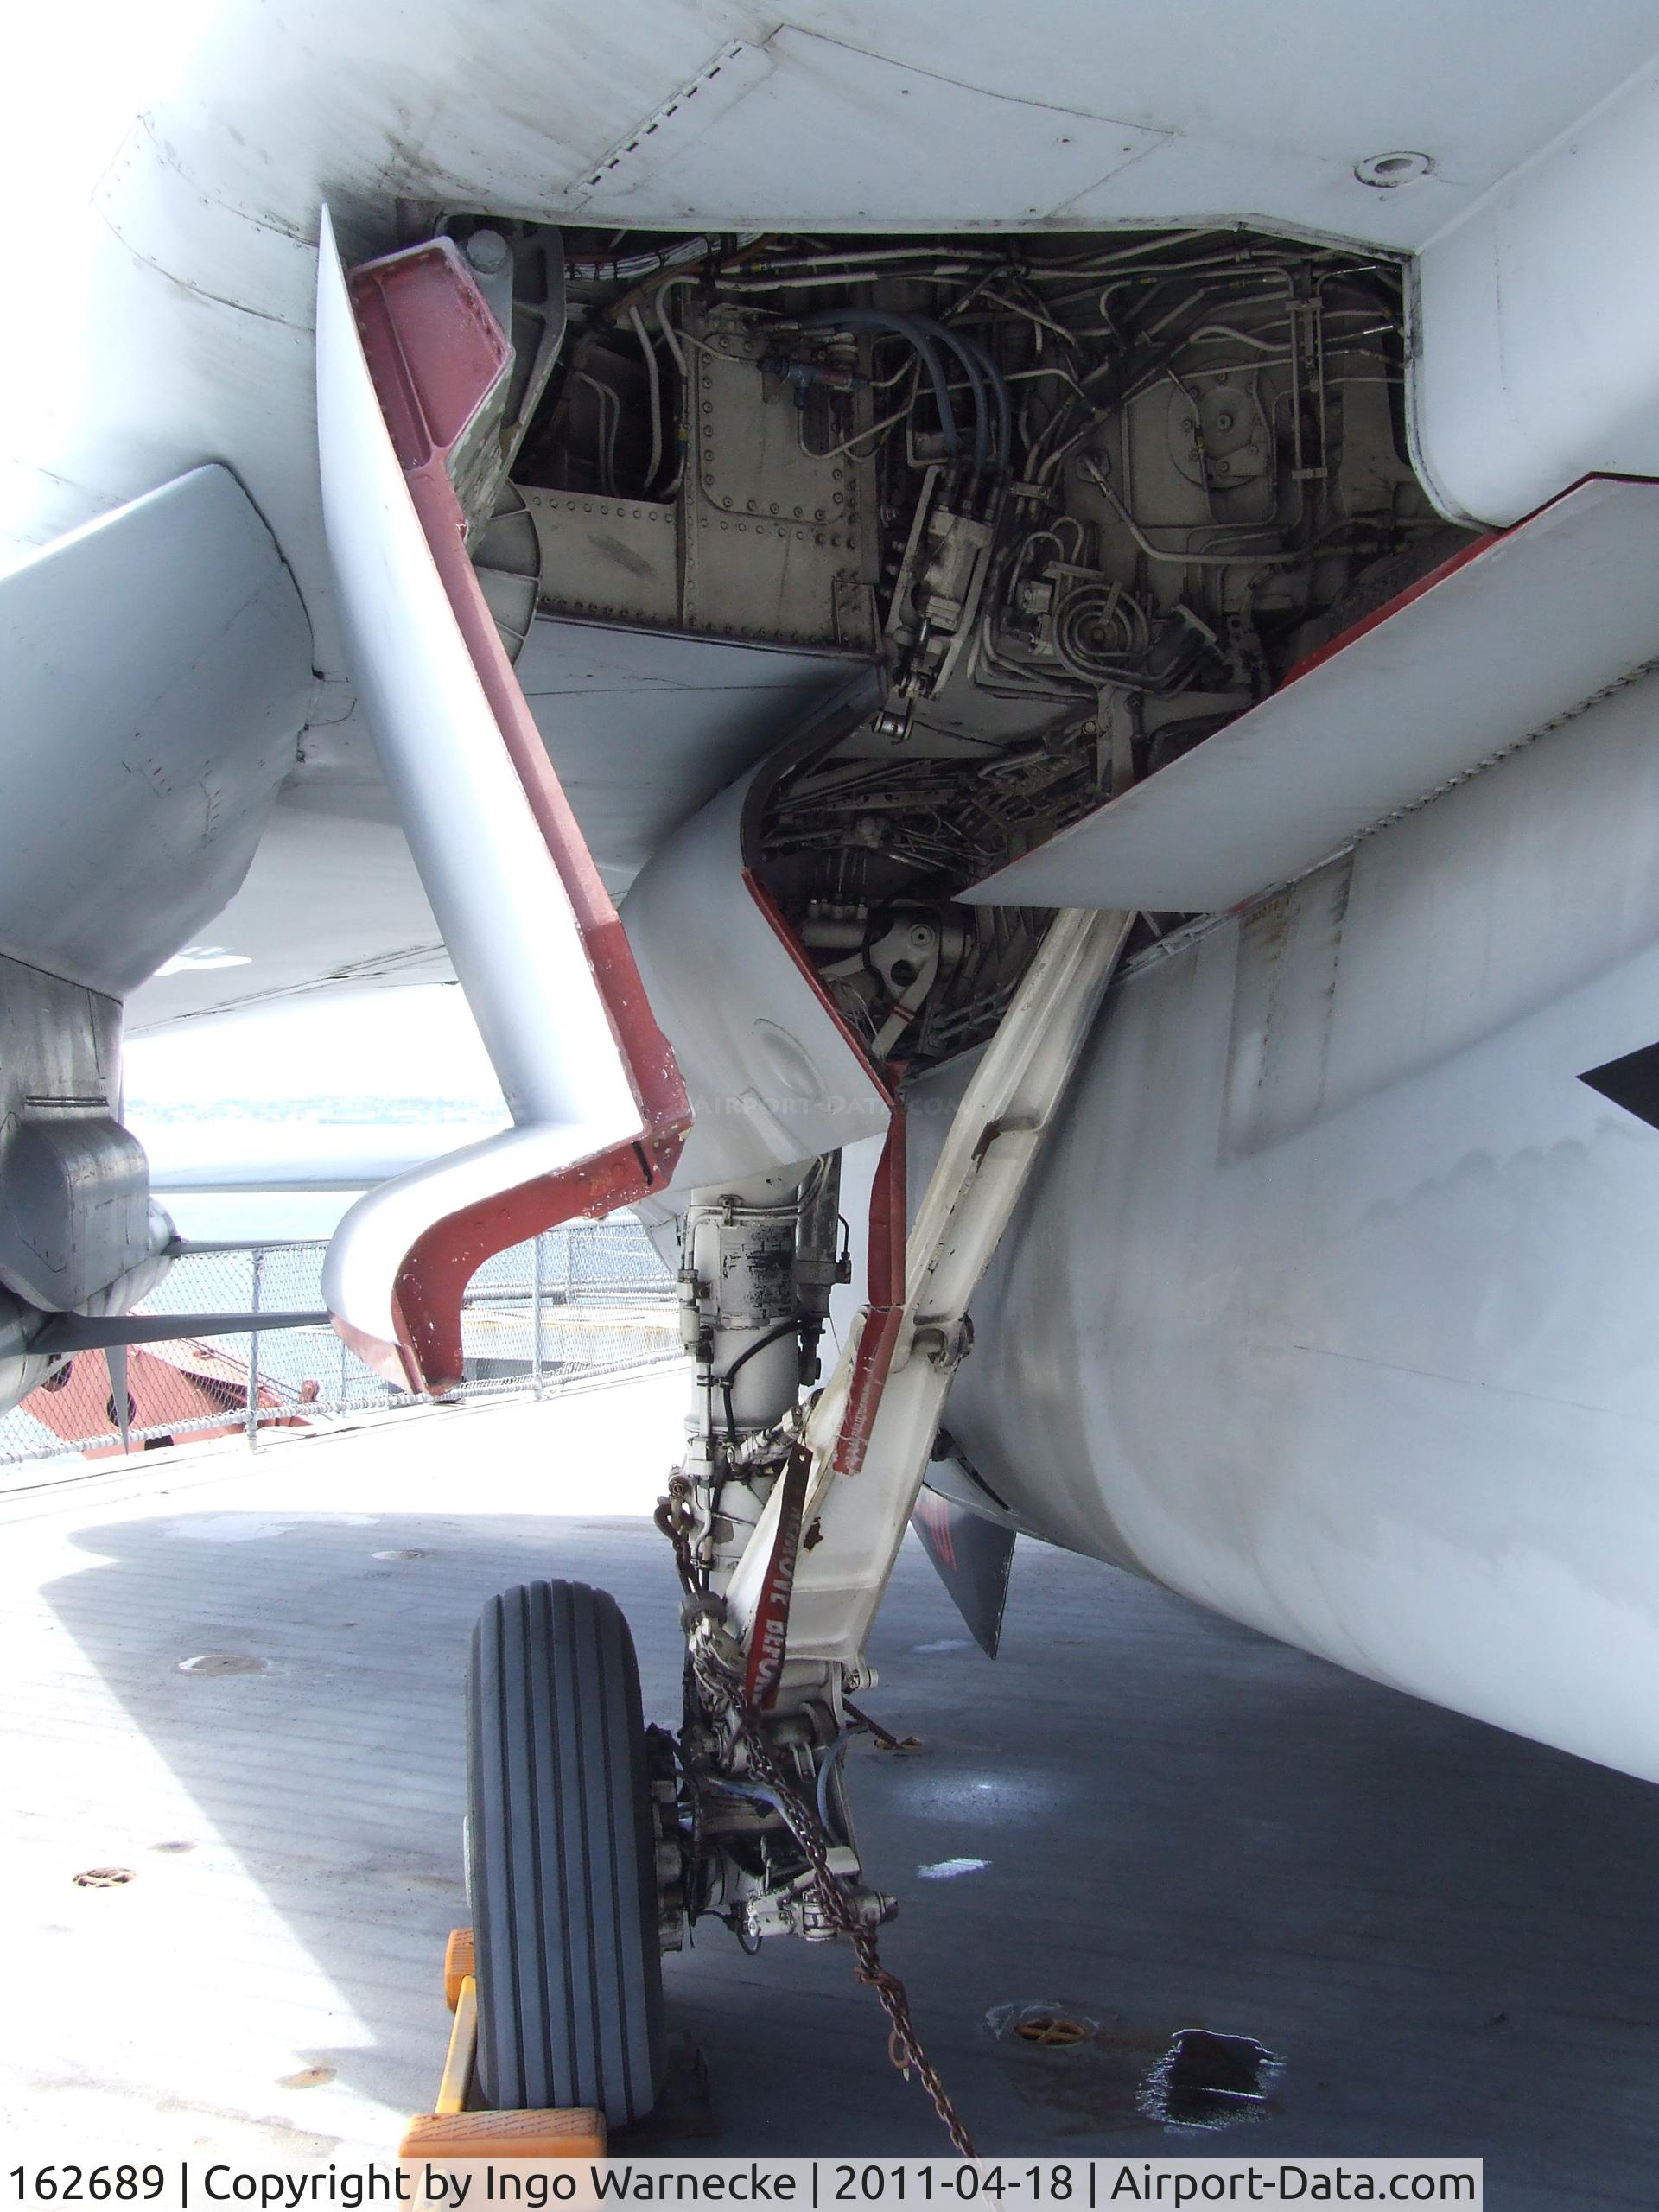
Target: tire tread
{"type": "Point", "coordinates": [569, 1974]}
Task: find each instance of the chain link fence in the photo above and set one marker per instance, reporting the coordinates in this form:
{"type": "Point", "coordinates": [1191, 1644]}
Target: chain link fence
{"type": "Point", "coordinates": [588, 1299]}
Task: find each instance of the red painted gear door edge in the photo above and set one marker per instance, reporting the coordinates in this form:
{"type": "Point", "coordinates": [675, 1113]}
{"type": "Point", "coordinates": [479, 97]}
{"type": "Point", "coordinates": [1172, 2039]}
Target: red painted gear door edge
{"type": "Point", "coordinates": [884, 1314]}
{"type": "Point", "coordinates": [434, 354]}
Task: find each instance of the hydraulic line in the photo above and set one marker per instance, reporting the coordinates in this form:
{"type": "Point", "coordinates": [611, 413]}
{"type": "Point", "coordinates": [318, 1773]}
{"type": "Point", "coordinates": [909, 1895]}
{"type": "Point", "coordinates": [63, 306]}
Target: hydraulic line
{"type": "Point", "coordinates": [921, 336]}
{"type": "Point", "coordinates": [723, 1383]}
{"type": "Point", "coordinates": [973, 364]}
{"type": "Point", "coordinates": [999, 386]}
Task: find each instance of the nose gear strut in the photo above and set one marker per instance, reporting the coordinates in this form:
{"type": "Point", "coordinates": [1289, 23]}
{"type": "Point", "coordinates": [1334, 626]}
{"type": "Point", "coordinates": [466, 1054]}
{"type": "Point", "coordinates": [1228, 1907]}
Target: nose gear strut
{"type": "Point", "coordinates": [786, 1517]}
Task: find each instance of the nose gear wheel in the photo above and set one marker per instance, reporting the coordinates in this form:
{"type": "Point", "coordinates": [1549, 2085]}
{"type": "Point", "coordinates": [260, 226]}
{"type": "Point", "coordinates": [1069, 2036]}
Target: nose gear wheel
{"type": "Point", "coordinates": [561, 1857]}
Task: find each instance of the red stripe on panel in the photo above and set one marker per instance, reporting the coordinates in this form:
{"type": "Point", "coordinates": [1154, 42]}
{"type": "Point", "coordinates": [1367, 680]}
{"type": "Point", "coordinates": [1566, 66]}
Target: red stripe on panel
{"type": "Point", "coordinates": [885, 1311]}
{"type": "Point", "coordinates": [436, 353]}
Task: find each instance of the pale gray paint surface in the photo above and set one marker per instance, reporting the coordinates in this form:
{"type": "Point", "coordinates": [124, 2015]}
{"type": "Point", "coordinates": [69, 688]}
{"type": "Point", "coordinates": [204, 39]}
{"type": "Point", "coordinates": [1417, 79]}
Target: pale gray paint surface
{"type": "Point", "coordinates": [643, 728]}
{"type": "Point", "coordinates": [185, 227]}
{"type": "Point", "coordinates": [1333, 1303]}
{"type": "Point", "coordinates": [74, 1199]}
{"type": "Point", "coordinates": [495, 881]}
{"type": "Point", "coordinates": [771, 1076]}
{"type": "Point", "coordinates": [184, 224]}
{"type": "Point", "coordinates": [332, 900]}
{"type": "Point", "coordinates": [156, 671]}
{"type": "Point", "coordinates": [1535, 350]}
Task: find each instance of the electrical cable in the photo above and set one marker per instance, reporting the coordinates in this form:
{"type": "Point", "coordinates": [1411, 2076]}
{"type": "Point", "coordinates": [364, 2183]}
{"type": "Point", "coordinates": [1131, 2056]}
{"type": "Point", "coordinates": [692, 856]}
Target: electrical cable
{"type": "Point", "coordinates": [631, 267]}
{"type": "Point", "coordinates": [976, 362]}
{"type": "Point", "coordinates": [834, 453]}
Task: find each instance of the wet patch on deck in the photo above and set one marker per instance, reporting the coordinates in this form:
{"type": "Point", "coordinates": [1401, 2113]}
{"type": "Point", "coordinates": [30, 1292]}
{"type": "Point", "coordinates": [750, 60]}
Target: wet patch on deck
{"type": "Point", "coordinates": [1209, 2081]}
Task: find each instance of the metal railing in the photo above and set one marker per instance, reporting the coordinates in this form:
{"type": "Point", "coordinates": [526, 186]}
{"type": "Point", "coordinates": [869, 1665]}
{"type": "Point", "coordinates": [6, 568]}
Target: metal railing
{"type": "Point", "coordinates": [588, 1299]}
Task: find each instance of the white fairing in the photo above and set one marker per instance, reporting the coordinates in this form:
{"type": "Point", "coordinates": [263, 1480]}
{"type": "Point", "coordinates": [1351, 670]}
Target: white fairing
{"type": "Point", "coordinates": [1523, 633]}
{"type": "Point", "coordinates": [773, 1077]}
{"type": "Point", "coordinates": [376, 1236]}
{"type": "Point", "coordinates": [497, 896]}
{"type": "Point", "coordinates": [1538, 339]}
{"type": "Point", "coordinates": [1333, 1305]}
{"type": "Point", "coordinates": [155, 668]}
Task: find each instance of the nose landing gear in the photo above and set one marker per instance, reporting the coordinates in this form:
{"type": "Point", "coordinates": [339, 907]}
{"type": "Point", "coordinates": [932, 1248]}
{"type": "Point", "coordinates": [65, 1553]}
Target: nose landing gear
{"type": "Point", "coordinates": [592, 1844]}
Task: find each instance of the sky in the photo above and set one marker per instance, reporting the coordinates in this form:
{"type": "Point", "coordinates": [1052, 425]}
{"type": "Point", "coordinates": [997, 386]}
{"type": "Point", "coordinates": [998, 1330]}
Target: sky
{"type": "Point", "coordinates": [372, 1046]}
{"type": "Point", "coordinates": [371, 1054]}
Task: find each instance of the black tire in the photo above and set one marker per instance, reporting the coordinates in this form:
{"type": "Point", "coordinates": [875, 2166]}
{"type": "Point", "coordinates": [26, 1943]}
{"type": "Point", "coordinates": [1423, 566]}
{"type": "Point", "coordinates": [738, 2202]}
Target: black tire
{"type": "Point", "coordinates": [561, 1858]}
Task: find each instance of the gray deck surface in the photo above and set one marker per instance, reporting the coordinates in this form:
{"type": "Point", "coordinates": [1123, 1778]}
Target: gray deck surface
{"type": "Point", "coordinates": [1450, 1934]}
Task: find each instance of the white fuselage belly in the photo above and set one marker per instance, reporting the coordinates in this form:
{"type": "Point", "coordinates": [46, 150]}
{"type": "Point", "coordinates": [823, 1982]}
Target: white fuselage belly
{"type": "Point", "coordinates": [1334, 1304]}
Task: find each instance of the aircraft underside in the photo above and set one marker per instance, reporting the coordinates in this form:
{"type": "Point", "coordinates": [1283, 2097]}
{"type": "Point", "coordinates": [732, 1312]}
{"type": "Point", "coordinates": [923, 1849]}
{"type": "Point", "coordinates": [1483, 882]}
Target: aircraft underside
{"type": "Point", "coordinates": [1062, 800]}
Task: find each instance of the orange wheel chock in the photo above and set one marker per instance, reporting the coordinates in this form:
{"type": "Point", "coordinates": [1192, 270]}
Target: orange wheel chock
{"type": "Point", "coordinates": [450, 2130]}
{"type": "Point", "coordinates": [457, 1964]}
{"type": "Point", "coordinates": [572, 2134]}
